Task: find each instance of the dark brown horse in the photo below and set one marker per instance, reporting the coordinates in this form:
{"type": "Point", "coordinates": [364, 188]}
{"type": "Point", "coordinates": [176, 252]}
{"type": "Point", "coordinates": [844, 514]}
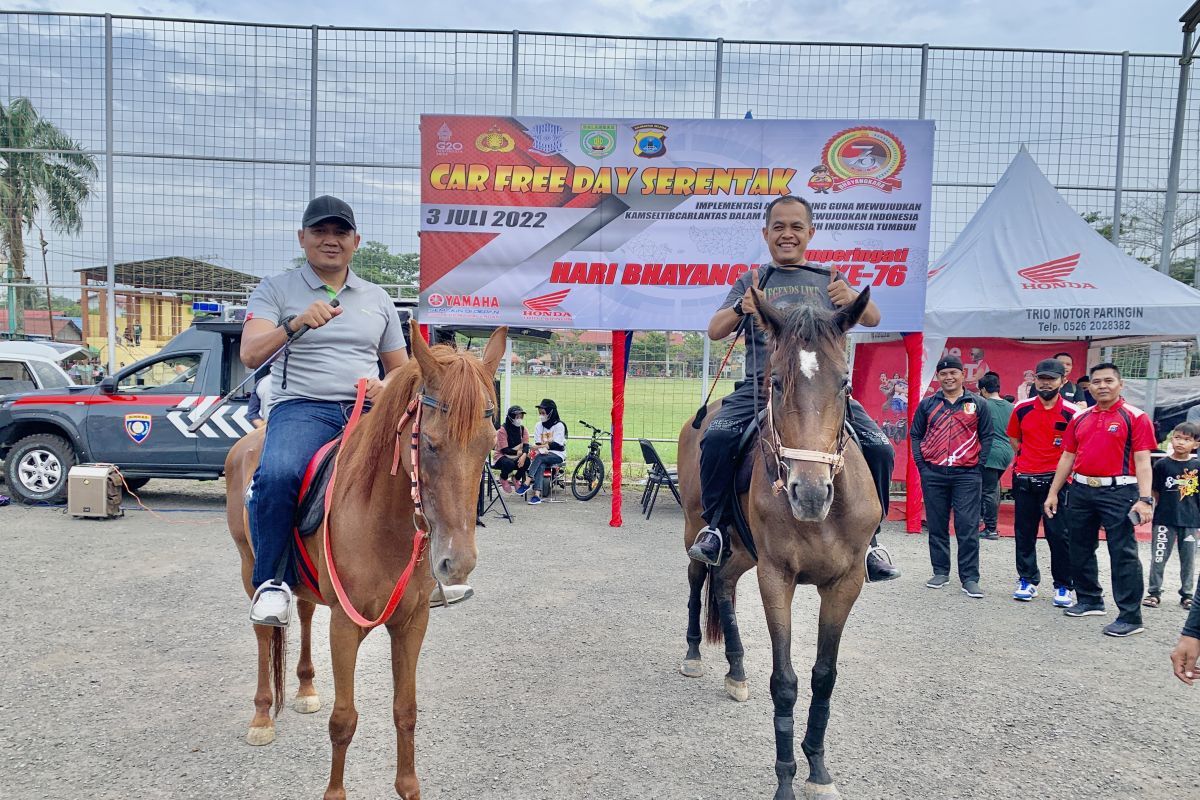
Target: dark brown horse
{"type": "Point", "coordinates": [812, 509]}
{"type": "Point", "coordinates": [372, 535]}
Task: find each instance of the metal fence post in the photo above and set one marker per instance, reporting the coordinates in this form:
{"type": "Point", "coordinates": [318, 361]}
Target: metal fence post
{"type": "Point", "coordinates": [718, 77]}
{"type": "Point", "coordinates": [1153, 367]}
{"type": "Point", "coordinates": [1115, 235]}
{"type": "Point", "coordinates": [923, 95]}
{"type": "Point", "coordinates": [516, 51]}
{"type": "Point", "coordinates": [312, 114]}
{"type": "Point", "coordinates": [704, 372]}
{"type": "Point", "coordinates": [1185, 66]}
{"type": "Point", "coordinates": [110, 198]}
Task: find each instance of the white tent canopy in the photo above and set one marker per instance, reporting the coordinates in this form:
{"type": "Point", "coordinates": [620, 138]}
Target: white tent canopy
{"type": "Point", "coordinates": [1028, 267]}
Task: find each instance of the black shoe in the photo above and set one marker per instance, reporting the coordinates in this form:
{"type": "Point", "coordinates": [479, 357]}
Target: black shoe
{"type": "Point", "coordinates": [991, 536]}
{"type": "Point", "coordinates": [1085, 610]}
{"type": "Point", "coordinates": [880, 567]}
{"type": "Point", "coordinates": [707, 546]}
{"type": "Point", "coordinates": [1122, 629]}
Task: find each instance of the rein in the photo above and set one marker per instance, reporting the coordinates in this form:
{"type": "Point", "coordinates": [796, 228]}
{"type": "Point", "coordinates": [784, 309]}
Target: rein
{"type": "Point", "coordinates": [420, 523]}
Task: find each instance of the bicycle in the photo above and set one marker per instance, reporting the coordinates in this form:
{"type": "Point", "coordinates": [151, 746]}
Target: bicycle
{"type": "Point", "coordinates": [588, 476]}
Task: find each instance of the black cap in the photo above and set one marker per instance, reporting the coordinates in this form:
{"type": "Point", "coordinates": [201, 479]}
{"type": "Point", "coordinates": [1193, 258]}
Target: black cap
{"type": "Point", "coordinates": [514, 410]}
{"type": "Point", "coordinates": [546, 404]}
{"type": "Point", "coordinates": [327, 207]}
{"type": "Point", "coordinates": [1051, 366]}
{"type": "Point", "coordinates": [949, 362]}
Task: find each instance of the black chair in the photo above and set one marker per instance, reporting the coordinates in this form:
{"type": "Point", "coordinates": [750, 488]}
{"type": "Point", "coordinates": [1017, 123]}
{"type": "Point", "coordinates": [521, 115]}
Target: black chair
{"type": "Point", "coordinates": [657, 477]}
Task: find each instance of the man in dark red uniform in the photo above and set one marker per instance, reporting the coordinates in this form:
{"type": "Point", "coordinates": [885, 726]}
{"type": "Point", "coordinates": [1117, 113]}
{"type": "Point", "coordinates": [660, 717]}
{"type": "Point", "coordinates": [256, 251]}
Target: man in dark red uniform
{"type": "Point", "coordinates": [1037, 428]}
{"type": "Point", "coordinates": [951, 438]}
{"type": "Point", "coordinates": [1106, 451]}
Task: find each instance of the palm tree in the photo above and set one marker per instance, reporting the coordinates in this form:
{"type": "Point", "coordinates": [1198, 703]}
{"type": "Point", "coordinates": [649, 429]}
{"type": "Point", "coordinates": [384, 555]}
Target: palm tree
{"type": "Point", "coordinates": [42, 169]}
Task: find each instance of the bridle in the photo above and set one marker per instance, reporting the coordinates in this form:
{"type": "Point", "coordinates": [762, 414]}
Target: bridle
{"type": "Point", "coordinates": [421, 537]}
{"type": "Point", "coordinates": [773, 445]}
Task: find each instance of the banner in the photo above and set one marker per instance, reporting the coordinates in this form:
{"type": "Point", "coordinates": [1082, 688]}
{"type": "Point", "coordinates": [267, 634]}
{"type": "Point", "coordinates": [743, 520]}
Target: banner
{"type": "Point", "coordinates": [644, 224]}
{"type": "Point", "coordinates": [880, 382]}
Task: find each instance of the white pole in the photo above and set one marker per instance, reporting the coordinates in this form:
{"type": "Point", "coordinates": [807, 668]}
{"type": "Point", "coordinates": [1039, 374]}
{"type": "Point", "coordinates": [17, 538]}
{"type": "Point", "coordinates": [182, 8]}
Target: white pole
{"type": "Point", "coordinates": [507, 375]}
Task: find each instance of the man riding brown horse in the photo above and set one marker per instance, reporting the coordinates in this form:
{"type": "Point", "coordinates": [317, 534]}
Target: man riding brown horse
{"type": "Point", "coordinates": [787, 281]}
{"type": "Point", "coordinates": [313, 388]}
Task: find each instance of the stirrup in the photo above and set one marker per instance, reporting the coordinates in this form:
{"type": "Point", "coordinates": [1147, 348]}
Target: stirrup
{"type": "Point", "coordinates": [720, 552]}
{"type": "Point", "coordinates": [887, 557]}
{"type": "Point", "coordinates": [273, 586]}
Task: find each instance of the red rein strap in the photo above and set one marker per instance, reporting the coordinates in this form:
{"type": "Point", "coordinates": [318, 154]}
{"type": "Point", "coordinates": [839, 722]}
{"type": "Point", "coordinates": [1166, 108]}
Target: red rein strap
{"type": "Point", "coordinates": [420, 537]}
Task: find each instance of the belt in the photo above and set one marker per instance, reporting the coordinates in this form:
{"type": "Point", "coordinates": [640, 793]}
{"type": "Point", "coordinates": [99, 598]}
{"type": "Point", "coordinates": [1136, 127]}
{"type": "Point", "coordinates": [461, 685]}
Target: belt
{"type": "Point", "coordinates": [1119, 480]}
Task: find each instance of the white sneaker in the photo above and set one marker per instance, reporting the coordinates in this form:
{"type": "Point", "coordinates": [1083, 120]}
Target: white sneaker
{"type": "Point", "coordinates": [272, 605]}
{"type": "Point", "coordinates": [1064, 597]}
{"type": "Point", "coordinates": [449, 595]}
{"type": "Point", "coordinates": [1025, 590]}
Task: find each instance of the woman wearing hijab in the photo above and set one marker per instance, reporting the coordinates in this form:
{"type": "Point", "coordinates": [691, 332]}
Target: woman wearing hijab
{"type": "Point", "coordinates": [551, 446]}
{"type": "Point", "coordinates": [512, 448]}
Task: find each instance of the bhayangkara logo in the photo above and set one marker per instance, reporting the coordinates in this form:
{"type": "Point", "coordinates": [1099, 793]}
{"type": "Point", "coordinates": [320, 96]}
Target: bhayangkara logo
{"type": "Point", "coordinates": [864, 157]}
{"type": "Point", "coordinates": [650, 140]}
{"type": "Point", "coordinates": [598, 141]}
{"type": "Point", "coordinates": [495, 141]}
{"type": "Point", "coordinates": [546, 305]}
{"type": "Point", "coordinates": [1053, 274]}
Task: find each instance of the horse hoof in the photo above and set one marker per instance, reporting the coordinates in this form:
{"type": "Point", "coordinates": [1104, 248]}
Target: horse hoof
{"type": "Point", "coordinates": [692, 668]}
{"type": "Point", "coordinates": [738, 690]}
{"type": "Point", "coordinates": [784, 792]}
{"type": "Point", "coordinates": [306, 704]}
{"type": "Point", "coordinates": [260, 736]}
{"type": "Point", "coordinates": [820, 791]}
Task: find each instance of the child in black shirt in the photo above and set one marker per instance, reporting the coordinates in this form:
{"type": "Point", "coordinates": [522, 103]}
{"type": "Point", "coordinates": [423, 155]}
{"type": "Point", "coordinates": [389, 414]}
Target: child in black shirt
{"type": "Point", "coordinates": [1176, 512]}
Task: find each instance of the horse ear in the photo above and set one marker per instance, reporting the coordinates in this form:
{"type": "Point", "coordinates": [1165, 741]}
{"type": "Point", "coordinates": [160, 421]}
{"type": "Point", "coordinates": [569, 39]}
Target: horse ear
{"type": "Point", "coordinates": [848, 317]}
{"type": "Point", "coordinates": [421, 352]}
{"type": "Point", "coordinates": [767, 314]}
{"type": "Point", "coordinates": [494, 351]}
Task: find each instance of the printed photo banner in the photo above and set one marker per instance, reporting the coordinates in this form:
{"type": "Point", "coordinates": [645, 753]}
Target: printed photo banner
{"type": "Point", "coordinates": [644, 224]}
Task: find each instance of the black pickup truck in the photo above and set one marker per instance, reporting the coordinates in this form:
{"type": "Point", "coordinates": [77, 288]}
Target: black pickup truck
{"type": "Point", "coordinates": [136, 419]}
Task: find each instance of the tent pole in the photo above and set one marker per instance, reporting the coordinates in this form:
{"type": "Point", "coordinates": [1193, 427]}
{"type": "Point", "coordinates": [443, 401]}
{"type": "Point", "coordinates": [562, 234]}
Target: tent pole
{"type": "Point", "coordinates": [1153, 367]}
{"type": "Point", "coordinates": [914, 347]}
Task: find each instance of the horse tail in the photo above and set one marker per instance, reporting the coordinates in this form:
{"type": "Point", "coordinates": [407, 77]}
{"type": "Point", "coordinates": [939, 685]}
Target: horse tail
{"type": "Point", "coordinates": [713, 632]}
{"type": "Point", "coordinates": [278, 657]}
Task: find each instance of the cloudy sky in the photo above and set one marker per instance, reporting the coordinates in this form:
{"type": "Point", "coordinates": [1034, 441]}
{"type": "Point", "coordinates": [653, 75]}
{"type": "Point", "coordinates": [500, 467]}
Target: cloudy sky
{"type": "Point", "coordinates": [1147, 26]}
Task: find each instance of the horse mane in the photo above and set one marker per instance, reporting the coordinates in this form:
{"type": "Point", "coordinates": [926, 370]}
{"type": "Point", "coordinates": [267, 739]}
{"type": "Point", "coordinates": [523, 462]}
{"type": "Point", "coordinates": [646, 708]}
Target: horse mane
{"type": "Point", "coordinates": [462, 378]}
{"type": "Point", "coordinates": [803, 325]}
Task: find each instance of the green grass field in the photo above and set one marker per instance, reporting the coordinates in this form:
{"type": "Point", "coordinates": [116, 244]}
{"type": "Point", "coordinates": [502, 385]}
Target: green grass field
{"type": "Point", "coordinates": [655, 408]}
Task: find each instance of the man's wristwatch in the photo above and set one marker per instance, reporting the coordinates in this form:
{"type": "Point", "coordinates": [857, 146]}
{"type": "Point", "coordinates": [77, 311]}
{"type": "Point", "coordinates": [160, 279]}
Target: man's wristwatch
{"type": "Point", "coordinates": [1147, 500]}
{"type": "Point", "coordinates": [737, 308]}
{"type": "Point", "coordinates": [286, 324]}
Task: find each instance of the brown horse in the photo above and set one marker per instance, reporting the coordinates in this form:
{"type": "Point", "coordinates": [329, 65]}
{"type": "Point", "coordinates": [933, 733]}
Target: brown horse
{"type": "Point", "coordinates": [372, 534]}
{"type": "Point", "coordinates": [813, 510]}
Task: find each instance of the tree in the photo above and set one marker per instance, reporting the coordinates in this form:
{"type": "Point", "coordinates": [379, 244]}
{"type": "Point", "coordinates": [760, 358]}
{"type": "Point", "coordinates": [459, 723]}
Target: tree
{"type": "Point", "coordinates": [1142, 229]}
{"type": "Point", "coordinates": [51, 175]}
{"type": "Point", "coordinates": [375, 263]}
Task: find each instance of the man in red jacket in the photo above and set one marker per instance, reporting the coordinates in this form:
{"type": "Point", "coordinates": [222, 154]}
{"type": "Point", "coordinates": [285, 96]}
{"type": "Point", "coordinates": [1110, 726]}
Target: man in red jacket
{"type": "Point", "coordinates": [951, 436]}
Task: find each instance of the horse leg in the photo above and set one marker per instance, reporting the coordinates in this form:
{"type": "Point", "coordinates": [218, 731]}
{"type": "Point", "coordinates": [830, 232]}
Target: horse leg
{"type": "Point", "coordinates": [836, 602]}
{"type": "Point", "coordinates": [777, 590]}
{"type": "Point", "coordinates": [692, 666]}
{"type": "Point", "coordinates": [406, 647]}
{"type": "Point", "coordinates": [262, 727]}
{"type": "Point", "coordinates": [307, 700]}
{"type": "Point", "coordinates": [726, 594]}
{"type": "Point", "coordinates": [344, 640]}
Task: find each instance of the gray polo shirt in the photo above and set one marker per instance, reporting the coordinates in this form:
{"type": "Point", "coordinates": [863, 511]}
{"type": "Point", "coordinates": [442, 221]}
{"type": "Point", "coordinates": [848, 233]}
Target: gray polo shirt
{"type": "Point", "coordinates": [326, 362]}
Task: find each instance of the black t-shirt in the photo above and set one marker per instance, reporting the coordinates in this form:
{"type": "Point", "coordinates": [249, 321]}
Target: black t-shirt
{"type": "Point", "coordinates": [1071, 392]}
{"type": "Point", "coordinates": [1178, 492]}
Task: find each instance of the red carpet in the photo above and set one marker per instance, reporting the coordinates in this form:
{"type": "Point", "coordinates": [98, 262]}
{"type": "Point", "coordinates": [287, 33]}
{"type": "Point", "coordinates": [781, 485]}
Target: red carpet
{"type": "Point", "coordinates": [1004, 522]}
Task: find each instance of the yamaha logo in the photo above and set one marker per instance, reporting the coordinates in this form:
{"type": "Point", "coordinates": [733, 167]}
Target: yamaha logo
{"type": "Point", "coordinates": [436, 300]}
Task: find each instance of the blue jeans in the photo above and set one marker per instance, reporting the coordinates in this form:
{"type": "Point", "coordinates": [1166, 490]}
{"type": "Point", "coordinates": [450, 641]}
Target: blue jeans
{"type": "Point", "coordinates": [539, 464]}
{"type": "Point", "coordinates": [296, 431]}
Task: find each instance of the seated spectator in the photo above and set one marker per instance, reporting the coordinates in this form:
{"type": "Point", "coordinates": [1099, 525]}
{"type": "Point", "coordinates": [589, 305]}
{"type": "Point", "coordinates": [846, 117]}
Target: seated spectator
{"type": "Point", "coordinates": [512, 449]}
{"type": "Point", "coordinates": [551, 437]}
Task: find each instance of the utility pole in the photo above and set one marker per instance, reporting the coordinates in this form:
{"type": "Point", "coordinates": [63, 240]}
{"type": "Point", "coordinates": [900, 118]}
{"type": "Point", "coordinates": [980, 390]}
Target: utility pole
{"type": "Point", "coordinates": [46, 275]}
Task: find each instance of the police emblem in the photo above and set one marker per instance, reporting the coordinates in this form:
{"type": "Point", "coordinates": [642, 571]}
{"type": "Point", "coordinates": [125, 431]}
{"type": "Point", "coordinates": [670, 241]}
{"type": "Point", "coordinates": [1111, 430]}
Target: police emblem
{"type": "Point", "coordinates": [864, 157]}
{"type": "Point", "coordinates": [598, 141]}
{"type": "Point", "coordinates": [547, 138]}
{"type": "Point", "coordinates": [138, 427]}
{"type": "Point", "coordinates": [649, 141]}
{"type": "Point", "coordinates": [494, 141]}
{"type": "Point", "coordinates": [1113, 427]}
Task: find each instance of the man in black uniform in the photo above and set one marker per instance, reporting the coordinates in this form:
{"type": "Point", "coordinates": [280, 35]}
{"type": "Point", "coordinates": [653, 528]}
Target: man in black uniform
{"type": "Point", "coordinates": [788, 280]}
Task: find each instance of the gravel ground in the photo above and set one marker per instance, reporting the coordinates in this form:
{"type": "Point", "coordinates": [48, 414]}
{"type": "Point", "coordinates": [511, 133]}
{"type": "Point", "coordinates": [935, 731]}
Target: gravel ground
{"type": "Point", "coordinates": [128, 671]}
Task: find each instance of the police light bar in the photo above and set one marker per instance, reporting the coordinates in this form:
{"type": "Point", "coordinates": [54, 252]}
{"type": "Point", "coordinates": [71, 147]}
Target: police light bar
{"type": "Point", "coordinates": [207, 308]}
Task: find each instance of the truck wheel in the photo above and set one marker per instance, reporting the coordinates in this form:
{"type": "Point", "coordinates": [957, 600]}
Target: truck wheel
{"type": "Point", "coordinates": [136, 483]}
{"type": "Point", "coordinates": [37, 466]}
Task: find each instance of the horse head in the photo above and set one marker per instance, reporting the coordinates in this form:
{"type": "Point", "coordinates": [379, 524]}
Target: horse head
{"type": "Point", "coordinates": [456, 434]}
{"type": "Point", "coordinates": [807, 384]}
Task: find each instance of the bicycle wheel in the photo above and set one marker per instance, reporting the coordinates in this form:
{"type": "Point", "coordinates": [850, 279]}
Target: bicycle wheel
{"type": "Point", "coordinates": [587, 478]}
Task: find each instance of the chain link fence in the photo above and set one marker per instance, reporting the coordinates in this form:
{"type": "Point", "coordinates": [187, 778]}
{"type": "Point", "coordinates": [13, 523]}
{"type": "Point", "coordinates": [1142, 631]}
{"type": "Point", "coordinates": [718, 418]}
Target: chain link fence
{"type": "Point", "coordinates": [176, 139]}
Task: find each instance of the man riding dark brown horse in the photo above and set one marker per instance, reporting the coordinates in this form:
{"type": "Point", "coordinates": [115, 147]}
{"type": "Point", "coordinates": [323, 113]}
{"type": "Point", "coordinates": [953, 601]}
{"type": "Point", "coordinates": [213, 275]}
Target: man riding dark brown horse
{"type": "Point", "coordinates": [787, 281]}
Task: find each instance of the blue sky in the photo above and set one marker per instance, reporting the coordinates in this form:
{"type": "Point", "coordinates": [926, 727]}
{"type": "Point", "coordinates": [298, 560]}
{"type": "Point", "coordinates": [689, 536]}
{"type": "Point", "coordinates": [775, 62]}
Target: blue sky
{"type": "Point", "coordinates": [1147, 26]}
